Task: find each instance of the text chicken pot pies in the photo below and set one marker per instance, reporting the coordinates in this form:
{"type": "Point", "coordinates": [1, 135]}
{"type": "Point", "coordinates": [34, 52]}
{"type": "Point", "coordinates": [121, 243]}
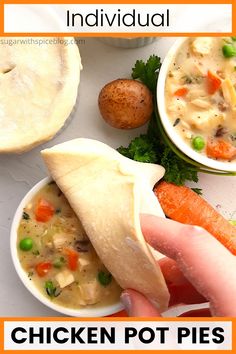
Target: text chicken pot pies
{"type": "Point", "coordinates": [107, 192]}
{"type": "Point", "coordinates": [38, 89]}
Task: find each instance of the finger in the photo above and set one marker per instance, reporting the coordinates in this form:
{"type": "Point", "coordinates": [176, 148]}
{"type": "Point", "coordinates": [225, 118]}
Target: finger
{"type": "Point", "coordinates": [180, 289]}
{"type": "Point", "coordinates": [197, 313]}
{"type": "Point", "coordinates": [208, 265]}
{"type": "Point", "coordinates": [137, 305]}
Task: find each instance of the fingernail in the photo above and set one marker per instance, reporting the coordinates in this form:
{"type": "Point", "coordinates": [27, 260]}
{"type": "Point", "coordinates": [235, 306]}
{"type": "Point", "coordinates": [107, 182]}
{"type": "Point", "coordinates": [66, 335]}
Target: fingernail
{"type": "Point", "coordinates": [126, 301]}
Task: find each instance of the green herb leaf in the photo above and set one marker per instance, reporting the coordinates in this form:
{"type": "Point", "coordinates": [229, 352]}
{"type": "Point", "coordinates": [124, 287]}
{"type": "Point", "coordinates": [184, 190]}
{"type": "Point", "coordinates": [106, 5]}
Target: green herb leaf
{"type": "Point", "coordinates": [51, 289]}
{"type": "Point", "coordinates": [30, 274]}
{"type": "Point", "coordinates": [59, 262]}
{"type": "Point", "coordinates": [104, 278]}
{"type": "Point", "coordinates": [177, 170]}
{"type": "Point", "coordinates": [151, 147]}
{"type": "Point", "coordinates": [147, 72]}
{"type": "Point", "coordinates": [197, 190]}
{"type": "Point", "coordinates": [25, 216]}
{"type": "Point", "coordinates": [140, 149]}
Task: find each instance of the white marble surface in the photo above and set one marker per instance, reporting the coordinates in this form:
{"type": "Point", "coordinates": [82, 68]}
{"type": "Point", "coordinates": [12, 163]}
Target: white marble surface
{"type": "Point", "coordinates": [18, 174]}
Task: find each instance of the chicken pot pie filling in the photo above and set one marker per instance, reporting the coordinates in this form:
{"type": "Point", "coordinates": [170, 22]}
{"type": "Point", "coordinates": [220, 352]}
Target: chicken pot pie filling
{"type": "Point", "coordinates": [201, 98]}
{"type": "Point", "coordinates": [57, 255]}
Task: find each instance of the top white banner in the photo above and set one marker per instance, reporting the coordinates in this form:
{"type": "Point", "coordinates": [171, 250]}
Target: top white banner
{"type": "Point", "coordinates": [98, 18]}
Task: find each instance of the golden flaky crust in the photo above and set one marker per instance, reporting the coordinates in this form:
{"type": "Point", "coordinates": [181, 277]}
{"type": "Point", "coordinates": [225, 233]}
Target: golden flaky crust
{"type": "Point", "coordinates": [38, 89]}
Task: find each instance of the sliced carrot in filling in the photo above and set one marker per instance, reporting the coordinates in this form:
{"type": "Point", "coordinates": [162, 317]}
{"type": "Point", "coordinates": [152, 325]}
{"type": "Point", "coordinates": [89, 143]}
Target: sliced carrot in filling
{"type": "Point", "coordinates": [181, 92]}
{"type": "Point", "coordinates": [213, 83]}
{"type": "Point", "coordinates": [220, 149]}
{"type": "Point", "coordinates": [44, 210]}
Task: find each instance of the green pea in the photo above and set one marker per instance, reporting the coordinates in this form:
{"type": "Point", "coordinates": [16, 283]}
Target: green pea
{"type": "Point", "coordinates": [59, 262]}
{"type": "Point", "coordinates": [104, 278]}
{"type": "Point", "coordinates": [26, 244]}
{"type": "Point", "coordinates": [198, 143]}
{"type": "Point", "coordinates": [229, 51]}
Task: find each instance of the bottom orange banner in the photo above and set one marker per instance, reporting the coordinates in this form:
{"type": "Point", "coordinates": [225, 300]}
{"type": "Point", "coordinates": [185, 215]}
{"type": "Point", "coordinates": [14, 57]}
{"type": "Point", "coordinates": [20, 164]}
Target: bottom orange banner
{"type": "Point", "coordinates": [118, 335]}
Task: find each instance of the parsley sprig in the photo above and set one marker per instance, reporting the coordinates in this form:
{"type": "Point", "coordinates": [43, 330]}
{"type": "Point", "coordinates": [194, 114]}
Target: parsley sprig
{"type": "Point", "coordinates": [146, 149]}
{"type": "Point", "coordinates": [147, 72]}
{"type": "Point", "coordinates": [151, 147]}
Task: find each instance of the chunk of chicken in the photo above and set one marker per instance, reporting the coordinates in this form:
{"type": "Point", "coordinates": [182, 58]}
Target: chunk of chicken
{"type": "Point", "coordinates": [201, 103]}
{"type": "Point", "coordinates": [202, 45]}
{"type": "Point", "coordinates": [84, 261]}
{"type": "Point", "coordinates": [90, 292]}
{"type": "Point", "coordinates": [64, 278]}
{"type": "Point", "coordinates": [229, 92]}
{"type": "Point", "coordinates": [194, 69]}
{"type": "Point", "coordinates": [197, 93]}
{"type": "Point", "coordinates": [205, 120]}
{"type": "Point", "coordinates": [60, 240]}
{"type": "Point", "coordinates": [177, 107]}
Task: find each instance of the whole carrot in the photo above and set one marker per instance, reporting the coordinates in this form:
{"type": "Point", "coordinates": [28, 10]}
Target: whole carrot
{"type": "Point", "coordinates": [181, 204]}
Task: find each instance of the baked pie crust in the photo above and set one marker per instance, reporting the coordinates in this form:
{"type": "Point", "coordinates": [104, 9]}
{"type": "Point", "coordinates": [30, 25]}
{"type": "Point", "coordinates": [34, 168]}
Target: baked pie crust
{"type": "Point", "coordinates": [38, 89]}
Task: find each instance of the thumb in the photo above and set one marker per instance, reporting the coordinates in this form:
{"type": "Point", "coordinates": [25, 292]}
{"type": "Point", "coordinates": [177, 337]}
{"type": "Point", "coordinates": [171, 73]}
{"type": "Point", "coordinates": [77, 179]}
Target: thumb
{"type": "Point", "coordinates": [137, 305]}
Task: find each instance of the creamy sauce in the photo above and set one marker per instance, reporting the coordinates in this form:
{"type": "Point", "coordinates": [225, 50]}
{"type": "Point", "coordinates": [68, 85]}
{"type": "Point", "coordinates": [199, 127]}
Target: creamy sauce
{"type": "Point", "coordinates": [58, 256]}
{"type": "Point", "coordinates": [201, 97]}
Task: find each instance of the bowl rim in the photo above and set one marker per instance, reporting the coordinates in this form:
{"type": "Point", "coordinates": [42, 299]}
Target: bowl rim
{"type": "Point", "coordinates": [31, 287]}
{"type": "Point", "coordinates": [168, 127]}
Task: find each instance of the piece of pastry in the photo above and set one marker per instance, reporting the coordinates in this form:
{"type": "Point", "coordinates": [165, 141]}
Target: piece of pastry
{"type": "Point", "coordinates": [108, 192]}
{"type": "Point", "coordinates": [38, 89]}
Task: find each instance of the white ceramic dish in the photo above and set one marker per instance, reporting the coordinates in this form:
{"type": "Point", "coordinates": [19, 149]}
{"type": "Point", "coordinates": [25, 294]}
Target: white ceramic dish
{"type": "Point", "coordinates": [82, 312]}
{"type": "Point", "coordinates": [170, 130]}
{"type": "Point", "coordinates": [128, 43]}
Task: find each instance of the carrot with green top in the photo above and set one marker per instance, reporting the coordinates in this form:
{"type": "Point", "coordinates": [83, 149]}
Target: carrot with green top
{"type": "Point", "coordinates": [181, 204]}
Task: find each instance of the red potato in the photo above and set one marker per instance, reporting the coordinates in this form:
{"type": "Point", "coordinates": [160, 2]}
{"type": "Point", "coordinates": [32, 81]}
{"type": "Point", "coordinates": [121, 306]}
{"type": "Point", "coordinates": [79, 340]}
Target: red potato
{"type": "Point", "coordinates": [125, 103]}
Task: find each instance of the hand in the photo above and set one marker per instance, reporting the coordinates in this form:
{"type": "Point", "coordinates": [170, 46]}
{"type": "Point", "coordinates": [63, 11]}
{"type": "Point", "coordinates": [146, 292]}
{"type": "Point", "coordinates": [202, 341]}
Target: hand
{"type": "Point", "coordinates": [197, 268]}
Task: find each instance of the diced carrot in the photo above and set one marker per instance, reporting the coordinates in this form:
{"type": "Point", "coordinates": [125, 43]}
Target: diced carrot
{"type": "Point", "coordinates": [181, 92]}
{"type": "Point", "coordinates": [213, 83]}
{"type": "Point", "coordinates": [181, 204]}
{"type": "Point", "coordinates": [72, 257]}
{"type": "Point", "coordinates": [43, 268]}
{"type": "Point", "coordinates": [220, 149]}
{"type": "Point", "coordinates": [44, 210]}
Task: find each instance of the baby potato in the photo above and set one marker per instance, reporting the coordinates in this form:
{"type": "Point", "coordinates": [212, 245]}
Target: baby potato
{"type": "Point", "coordinates": [125, 103]}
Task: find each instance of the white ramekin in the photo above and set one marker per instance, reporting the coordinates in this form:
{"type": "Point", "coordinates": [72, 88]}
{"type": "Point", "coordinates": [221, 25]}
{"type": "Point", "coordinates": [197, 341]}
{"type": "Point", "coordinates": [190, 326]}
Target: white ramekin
{"type": "Point", "coordinates": [128, 43]}
{"type": "Point", "coordinates": [29, 284]}
{"type": "Point", "coordinates": [168, 126]}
